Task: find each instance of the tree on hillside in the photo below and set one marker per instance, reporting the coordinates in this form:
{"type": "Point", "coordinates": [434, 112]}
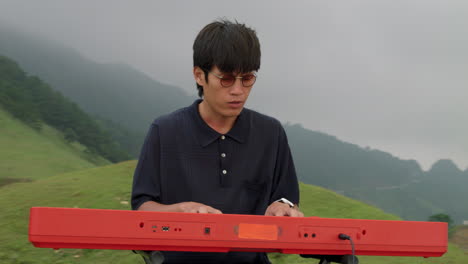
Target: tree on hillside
{"type": "Point", "coordinates": [441, 218]}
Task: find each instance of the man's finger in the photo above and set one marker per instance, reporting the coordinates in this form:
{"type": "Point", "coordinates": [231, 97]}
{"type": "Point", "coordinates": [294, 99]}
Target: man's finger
{"type": "Point", "coordinates": [280, 212]}
{"type": "Point", "coordinates": [296, 213]}
{"type": "Point", "coordinates": [212, 210]}
{"type": "Point", "coordinates": [293, 213]}
{"type": "Point", "coordinates": [202, 210]}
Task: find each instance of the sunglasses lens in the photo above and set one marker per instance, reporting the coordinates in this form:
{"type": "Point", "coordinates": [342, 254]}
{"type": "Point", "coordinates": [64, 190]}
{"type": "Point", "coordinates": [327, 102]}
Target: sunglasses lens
{"type": "Point", "coordinates": [248, 80]}
{"type": "Point", "coordinates": [228, 80]}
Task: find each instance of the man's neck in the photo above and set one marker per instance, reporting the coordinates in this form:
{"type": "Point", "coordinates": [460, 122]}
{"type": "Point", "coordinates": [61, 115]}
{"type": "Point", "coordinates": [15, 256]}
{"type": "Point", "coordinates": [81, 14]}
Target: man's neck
{"type": "Point", "coordinates": [220, 124]}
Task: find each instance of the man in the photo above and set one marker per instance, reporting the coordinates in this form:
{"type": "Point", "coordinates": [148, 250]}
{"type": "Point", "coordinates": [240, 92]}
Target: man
{"type": "Point", "coordinates": [216, 156]}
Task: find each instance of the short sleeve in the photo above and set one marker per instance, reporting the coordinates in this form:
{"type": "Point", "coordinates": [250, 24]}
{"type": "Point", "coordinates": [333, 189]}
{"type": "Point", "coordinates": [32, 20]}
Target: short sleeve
{"type": "Point", "coordinates": [146, 180]}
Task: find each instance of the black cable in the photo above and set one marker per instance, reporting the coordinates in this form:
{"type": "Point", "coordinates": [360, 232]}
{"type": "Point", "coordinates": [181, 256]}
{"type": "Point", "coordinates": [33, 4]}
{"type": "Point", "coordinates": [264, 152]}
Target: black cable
{"type": "Point", "coordinates": [346, 237]}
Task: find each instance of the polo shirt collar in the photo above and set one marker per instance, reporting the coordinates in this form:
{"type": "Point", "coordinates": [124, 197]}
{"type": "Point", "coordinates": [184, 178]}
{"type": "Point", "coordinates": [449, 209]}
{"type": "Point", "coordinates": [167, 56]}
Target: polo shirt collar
{"type": "Point", "coordinates": [206, 135]}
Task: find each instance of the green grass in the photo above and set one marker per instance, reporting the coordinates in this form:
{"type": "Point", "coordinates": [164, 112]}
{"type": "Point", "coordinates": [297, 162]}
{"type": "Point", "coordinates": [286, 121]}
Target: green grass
{"type": "Point", "coordinates": [317, 201]}
{"type": "Point", "coordinates": [109, 188]}
{"type": "Point", "coordinates": [28, 154]}
{"type": "Point", "coordinates": [106, 187]}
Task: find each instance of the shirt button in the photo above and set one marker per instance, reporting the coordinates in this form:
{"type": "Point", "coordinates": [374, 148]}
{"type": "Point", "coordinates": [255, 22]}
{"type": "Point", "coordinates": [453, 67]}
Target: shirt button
{"type": "Point", "coordinates": [224, 171]}
{"type": "Point", "coordinates": [223, 137]}
{"type": "Point", "coordinates": [223, 155]}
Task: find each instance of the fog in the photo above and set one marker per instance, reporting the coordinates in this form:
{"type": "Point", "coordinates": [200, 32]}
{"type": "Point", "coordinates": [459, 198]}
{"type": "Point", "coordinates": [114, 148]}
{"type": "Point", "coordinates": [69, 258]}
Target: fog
{"type": "Point", "coordinates": [390, 75]}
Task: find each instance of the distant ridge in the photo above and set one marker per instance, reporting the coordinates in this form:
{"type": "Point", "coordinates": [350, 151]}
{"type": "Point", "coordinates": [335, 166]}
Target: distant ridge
{"type": "Point", "coordinates": [397, 186]}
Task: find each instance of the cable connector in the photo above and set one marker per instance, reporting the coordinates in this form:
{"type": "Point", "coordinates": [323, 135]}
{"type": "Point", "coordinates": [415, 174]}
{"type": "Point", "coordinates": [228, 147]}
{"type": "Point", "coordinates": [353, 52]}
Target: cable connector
{"type": "Point", "coordinates": [344, 237]}
{"type": "Point", "coordinates": [353, 258]}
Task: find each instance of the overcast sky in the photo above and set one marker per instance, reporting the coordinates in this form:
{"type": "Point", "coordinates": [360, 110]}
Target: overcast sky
{"type": "Point", "coordinates": [391, 75]}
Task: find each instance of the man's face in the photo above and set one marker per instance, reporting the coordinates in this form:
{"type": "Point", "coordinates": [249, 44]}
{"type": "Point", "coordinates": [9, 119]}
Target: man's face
{"type": "Point", "coordinates": [223, 101]}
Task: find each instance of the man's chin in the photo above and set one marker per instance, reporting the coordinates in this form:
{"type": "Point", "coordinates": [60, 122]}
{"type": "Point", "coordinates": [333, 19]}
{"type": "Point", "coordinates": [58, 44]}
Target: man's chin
{"type": "Point", "coordinates": [233, 113]}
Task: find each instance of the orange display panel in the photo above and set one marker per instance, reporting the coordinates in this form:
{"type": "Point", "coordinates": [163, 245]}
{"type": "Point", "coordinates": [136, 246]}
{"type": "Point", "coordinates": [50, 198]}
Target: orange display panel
{"type": "Point", "coordinates": [141, 230]}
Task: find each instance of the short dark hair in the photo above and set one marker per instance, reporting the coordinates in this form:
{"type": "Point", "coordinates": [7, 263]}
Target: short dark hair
{"type": "Point", "coordinates": [231, 46]}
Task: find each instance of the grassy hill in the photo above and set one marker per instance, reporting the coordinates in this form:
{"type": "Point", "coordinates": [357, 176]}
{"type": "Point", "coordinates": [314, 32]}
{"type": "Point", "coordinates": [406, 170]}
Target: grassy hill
{"type": "Point", "coordinates": [28, 154]}
{"type": "Point", "coordinates": [108, 187]}
{"type": "Point", "coordinates": [460, 237]}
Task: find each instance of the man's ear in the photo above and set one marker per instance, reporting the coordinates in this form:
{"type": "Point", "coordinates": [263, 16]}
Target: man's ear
{"type": "Point", "coordinates": [199, 75]}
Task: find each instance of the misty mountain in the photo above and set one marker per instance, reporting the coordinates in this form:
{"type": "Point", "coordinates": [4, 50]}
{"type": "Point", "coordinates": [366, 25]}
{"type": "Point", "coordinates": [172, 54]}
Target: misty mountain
{"type": "Point", "coordinates": [32, 101]}
{"type": "Point", "coordinates": [361, 168]}
{"type": "Point", "coordinates": [115, 92]}
{"type": "Point", "coordinates": [398, 186]}
{"type": "Point", "coordinates": [122, 95]}
{"type": "Point", "coordinates": [445, 186]}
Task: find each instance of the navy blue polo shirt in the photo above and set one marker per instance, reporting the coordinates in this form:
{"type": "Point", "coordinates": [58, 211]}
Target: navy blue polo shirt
{"type": "Point", "coordinates": [241, 172]}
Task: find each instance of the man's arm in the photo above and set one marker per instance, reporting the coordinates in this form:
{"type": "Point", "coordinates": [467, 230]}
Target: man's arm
{"type": "Point", "coordinates": [285, 182]}
{"type": "Point", "coordinates": [146, 180]}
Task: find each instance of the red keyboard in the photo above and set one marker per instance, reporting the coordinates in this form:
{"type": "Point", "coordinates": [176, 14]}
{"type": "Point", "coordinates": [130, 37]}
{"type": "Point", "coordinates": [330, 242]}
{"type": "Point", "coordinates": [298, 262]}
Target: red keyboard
{"type": "Point", "coordinates": [139, 230]}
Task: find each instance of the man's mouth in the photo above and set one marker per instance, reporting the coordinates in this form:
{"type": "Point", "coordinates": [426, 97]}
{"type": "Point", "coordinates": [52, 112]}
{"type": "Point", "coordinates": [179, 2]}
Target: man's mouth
{"type": "Point", "coordinates": [235, 104]}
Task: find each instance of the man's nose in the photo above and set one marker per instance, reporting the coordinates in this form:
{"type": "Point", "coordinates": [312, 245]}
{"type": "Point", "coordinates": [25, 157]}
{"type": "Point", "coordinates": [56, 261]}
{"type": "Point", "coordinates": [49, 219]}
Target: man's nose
{"type": "Point", "coordinates": [237, 87]}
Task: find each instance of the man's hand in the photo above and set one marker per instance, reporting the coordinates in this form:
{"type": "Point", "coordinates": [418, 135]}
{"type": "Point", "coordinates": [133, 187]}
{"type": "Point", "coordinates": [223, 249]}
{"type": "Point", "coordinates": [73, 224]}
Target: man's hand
{"type": "Point", "coordinates": [282, 209]}
{"type": "Point", "coordinates": [193, 207]}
